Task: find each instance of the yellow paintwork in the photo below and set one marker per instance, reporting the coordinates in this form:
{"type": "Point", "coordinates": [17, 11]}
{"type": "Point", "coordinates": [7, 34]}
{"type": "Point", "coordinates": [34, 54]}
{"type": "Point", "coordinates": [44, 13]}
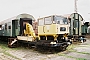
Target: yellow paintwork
{"type": "Point", "coordinates": [47, 29]}
{"type": "Point", "coordinates": [52, 29]}
{"type": "Point", "coordinates": [29, 30]}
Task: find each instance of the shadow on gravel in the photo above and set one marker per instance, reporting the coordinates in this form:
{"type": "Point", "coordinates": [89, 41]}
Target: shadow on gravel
{"type": "Point", "coordinates": [48, 50]}
{"type": "Point", "coordinates": [43, 50]}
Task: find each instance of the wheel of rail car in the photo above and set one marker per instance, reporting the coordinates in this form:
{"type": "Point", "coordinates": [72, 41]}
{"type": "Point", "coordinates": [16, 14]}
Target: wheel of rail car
{"type": "Point", "coordinates": [29, 45]}
{"type": "Point", "coordinates": [64, 47]}
{"type": "Point", "coordinates": [37, 39]}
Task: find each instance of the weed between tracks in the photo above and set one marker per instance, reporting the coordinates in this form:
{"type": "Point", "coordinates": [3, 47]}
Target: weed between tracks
{"type": "Point", "coordinates": [71, 49]}
{"type": "Point", "coordinates": [71, 57]}
{"type": "Point", "coordinates": [4, 48]}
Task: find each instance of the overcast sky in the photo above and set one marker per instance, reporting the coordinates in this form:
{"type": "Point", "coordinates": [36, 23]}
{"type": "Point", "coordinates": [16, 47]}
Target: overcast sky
{"type": "Point", "coordinates": [10, 8]}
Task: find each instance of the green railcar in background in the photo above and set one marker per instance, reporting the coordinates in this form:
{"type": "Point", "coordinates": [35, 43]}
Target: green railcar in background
{"type": "Point", "coordinates": [76, 27]}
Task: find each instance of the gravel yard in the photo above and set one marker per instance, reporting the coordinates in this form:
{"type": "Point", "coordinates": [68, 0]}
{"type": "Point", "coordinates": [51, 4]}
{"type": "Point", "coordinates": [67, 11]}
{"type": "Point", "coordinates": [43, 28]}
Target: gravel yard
{"type": "Point", "coordinates": [80, 51]}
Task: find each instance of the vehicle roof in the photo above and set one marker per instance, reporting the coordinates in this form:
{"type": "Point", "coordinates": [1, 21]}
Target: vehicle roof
{"type": "Point", "coordinates": [49, 16]}
{"type": "Point", "coordinates": [17, 18]}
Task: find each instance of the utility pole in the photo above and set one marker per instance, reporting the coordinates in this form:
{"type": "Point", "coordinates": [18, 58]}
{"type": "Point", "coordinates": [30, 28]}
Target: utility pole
{"type": "Point", "coordinates": [76, 6]}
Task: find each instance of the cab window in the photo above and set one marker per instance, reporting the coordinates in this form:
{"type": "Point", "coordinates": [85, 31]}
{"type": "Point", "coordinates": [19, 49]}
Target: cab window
{"type": "Point", "coordinates": [60, 20]}
{"type": "Point", "coordinates": [48, 20]}
{"type": "Point", "coordinates": [41, 22]}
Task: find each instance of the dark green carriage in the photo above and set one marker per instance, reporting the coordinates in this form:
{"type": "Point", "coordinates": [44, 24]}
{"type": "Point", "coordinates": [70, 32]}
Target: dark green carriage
{"type": "Point", "coordinates": [12, 27]}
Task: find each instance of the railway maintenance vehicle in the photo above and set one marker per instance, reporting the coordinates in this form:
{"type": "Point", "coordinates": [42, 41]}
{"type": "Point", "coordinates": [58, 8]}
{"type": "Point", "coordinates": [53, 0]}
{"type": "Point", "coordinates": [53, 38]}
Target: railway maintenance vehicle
{"type": "Point", "coordinates": [53, 31]}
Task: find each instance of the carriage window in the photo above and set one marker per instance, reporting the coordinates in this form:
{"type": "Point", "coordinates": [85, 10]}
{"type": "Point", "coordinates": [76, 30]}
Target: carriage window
{"type": "Point", "coordinates": [0, 27]}
{"type": "Point", "coordinates": [41, 22]}
{"type": "Point", "coordinates": [48, 20]}
{"type": "Point", "coordinates": [76, 23]}
{"type": "Point", "coordinates": [9, 25]}
{"type": "Point", "coordinates": [5, 26]}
